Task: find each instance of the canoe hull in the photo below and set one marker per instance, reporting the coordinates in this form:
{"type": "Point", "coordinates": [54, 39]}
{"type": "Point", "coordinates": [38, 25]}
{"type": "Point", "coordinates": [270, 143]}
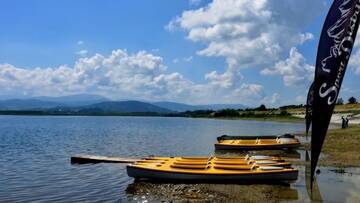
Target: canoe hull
{"type": "Point", "coordinates": [232, 137]}
{"type": "Point", "coordinates": [140, 173]}
{"type": "Point", "coordinates": [254, 147]}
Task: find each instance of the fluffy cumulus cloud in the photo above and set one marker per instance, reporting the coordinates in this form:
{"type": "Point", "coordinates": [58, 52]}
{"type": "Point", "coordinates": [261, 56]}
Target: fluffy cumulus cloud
{"type": "Point", "coordinates": [273, 99]}
{"type": "Point", "coordinates": [121, 76]}
{"type": "Point", "coordinates": [82, 52]}
{"type": "Point", "coordinates": [248, 33]}
{"type": "Point", "coordinates": [294, 70]}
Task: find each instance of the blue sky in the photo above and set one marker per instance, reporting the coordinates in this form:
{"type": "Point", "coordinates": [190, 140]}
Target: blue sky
{"type": "Point", "coordinates": [186, 51]}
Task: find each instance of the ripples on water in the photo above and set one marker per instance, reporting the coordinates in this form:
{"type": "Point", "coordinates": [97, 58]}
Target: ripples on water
{"type": "Point", "coordinates": [35, 151]}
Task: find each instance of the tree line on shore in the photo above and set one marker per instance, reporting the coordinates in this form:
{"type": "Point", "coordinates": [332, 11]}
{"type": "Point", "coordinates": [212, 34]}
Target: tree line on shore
{"type": "Point", "coordinates": [351, 100]}
{"type": "Point", "coordinates": [258, 112]}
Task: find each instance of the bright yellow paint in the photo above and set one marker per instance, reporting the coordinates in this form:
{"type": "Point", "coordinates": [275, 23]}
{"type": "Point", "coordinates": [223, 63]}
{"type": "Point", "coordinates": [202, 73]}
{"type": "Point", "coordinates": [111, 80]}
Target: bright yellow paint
{"type": "Point", "coordinates": [211, 165]}
{"type": "Point", "coordinates": [259, 142]}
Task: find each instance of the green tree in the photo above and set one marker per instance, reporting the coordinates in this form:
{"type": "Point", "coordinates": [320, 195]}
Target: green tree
{"type": "Point", "coordinates": [262, 107]}
{"type": "Point", "coordinates": [352, 100]}
{"type": "Point", "coordinates": [226, 113]}
{"type": "Point", "coordinates": [340, 101]}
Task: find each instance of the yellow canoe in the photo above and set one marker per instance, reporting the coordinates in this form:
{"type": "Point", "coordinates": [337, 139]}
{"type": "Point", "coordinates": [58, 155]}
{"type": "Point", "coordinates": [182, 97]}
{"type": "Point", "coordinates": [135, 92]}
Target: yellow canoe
{"type": "Point", "coordinates": [257, 168]}
{"type": "Point", "coordinates": [257, 144]}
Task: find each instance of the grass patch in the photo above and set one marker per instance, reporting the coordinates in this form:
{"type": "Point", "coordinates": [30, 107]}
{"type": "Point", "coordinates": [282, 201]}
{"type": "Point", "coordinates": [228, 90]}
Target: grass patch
{"type": "Point", "coordinates": [342, 147]}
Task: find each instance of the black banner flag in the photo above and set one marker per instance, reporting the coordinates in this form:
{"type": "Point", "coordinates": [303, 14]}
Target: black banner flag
{"type": "Point", "coordinates": [309, 102]}
{"type": "Point", "coordinates": [335, 46]}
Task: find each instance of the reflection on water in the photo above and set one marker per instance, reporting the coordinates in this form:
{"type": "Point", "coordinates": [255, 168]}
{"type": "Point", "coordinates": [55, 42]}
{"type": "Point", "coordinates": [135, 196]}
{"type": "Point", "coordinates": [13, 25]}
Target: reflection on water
{"type": "Point", "coordinates": [312, 188]}
{"type": "Point", "coordinates": [35, 160]}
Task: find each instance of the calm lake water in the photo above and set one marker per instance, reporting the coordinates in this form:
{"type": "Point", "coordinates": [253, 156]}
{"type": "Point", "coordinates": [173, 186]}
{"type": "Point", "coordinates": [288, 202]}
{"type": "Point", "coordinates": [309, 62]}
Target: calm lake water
{"type": "Point", "coordinates": [36, 150]}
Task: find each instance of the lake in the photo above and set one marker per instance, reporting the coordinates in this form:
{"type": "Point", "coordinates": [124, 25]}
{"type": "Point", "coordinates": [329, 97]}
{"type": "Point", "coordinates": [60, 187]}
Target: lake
{"type": "Point", "coordinates": [36, 150]}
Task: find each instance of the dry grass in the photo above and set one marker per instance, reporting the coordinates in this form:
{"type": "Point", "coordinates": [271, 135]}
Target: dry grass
{"type": "Point", "coordinates": [347, 107]}
{"type": "Point", "coordinates": [342, 147]}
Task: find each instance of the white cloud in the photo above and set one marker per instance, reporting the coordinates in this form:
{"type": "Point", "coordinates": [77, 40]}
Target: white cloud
{"type": "Point", "coordinates": [118, 75]}
{"type": "Point", "coordinates": [82, 52]}
{"type": "Point", "coordinates": [294, 70]}
{"type": "Point", "coordinates": [80, 42]}
{"type": "Point", "coordinates": [123, 76]}
{"type": "Point", "coordinates": [252, 91]}
{"type": "Point", "coordinates": [248, 33]}
{"type": "Point", "coordinates": [306, 36]}
{"type": "Point", "coordinates": [185, 59]}
{"type": "Point", "coordinates": [354, 61]}
{"type": "Point", "coordinates": [175, 60]}
{"type": "Point", "coordinates": [272, 100]}
{"type": "Point", "coordinates": [301, 99]}
{"type": "Point", "coordinates": [171, 26]}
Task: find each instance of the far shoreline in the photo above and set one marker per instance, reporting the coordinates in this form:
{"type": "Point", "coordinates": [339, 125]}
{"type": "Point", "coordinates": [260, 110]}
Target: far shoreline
{"type": "Point", "coordinates": [288, 114]}
{"type": "Point", "coordinates": [270, 118]}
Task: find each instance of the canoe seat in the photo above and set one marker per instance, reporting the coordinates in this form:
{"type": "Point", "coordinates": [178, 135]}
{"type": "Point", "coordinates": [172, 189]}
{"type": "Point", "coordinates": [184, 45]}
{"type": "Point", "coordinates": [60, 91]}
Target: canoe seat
{"type": "Point", "coordinates": [184, 166]}
{"type": "Point", "coordinates": [259, 157]}
{"type": "Point", "coordinates": [234, 167]}
{"type": "Point", "coordinates": [231, 162]}
{"type": "Point", "coordinates": [194, 158]}
{"type": "Point", "coordinates": [190, 162]}
{"type": "Point", "coordinates": [287, 140]}
{"type": "Point", "coordinates": [270, 168]}
{"type": "Point", "coordinates": [278, 140]}
{"type": "Point", "coordinates": [217, 159]}
{"type": "Point", "coordinates": [230, 158]}
{"type": "Point", "coordinates": [266, 162]}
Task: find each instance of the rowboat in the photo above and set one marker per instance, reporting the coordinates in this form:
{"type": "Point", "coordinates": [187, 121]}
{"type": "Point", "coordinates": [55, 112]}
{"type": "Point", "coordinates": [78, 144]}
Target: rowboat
{"type": "Point", "coordinates": [257, 143]}
{"type": "Point", "coordinates": [248, 168]}
{"type": "Point", "coordinates": [237, 137]}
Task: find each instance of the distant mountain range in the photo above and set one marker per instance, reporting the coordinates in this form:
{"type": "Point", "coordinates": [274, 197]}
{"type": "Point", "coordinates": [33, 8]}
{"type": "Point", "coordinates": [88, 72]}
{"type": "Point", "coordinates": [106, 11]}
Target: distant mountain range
{"type": "Point", "coordinates": [99, 104]}
{"type": "Point", "coordinates": [75, 100]}
{"type": "Point", "coordinates": [114, 107]}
